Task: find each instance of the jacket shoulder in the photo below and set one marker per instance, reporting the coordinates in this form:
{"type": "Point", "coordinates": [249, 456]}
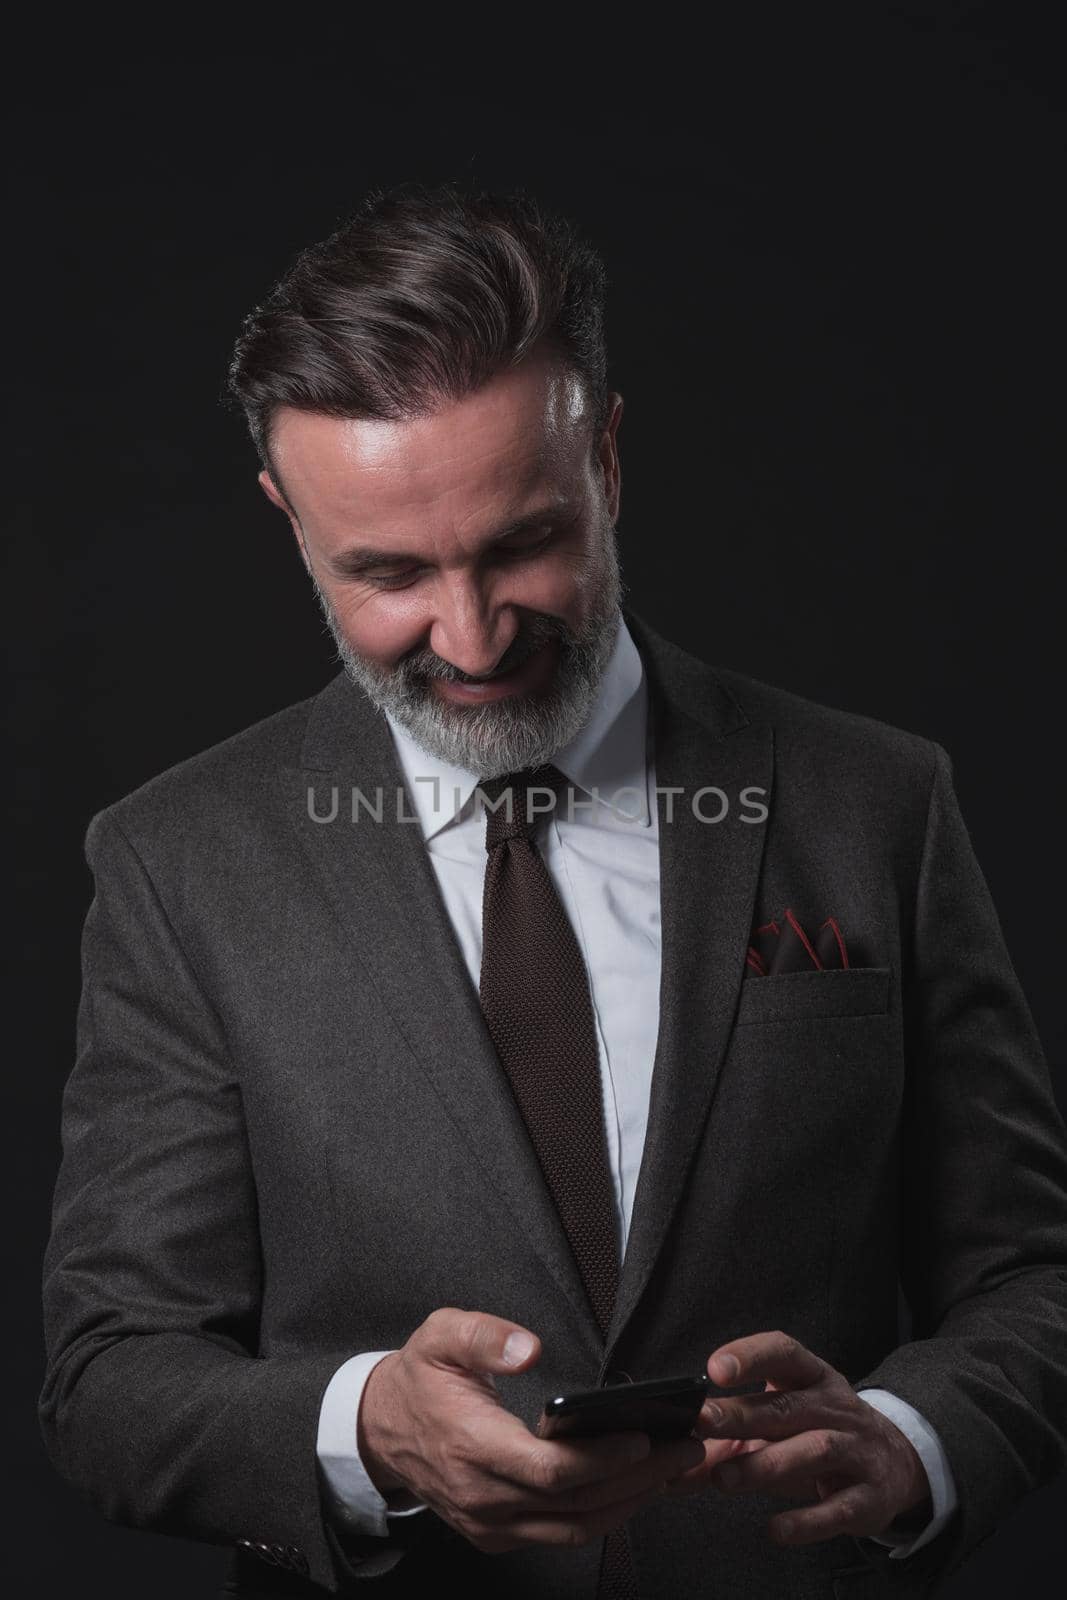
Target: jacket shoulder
{"type": "Point", "coordinates": [804, 729]}
{"type": "Point", "coordinates": [828, 732]}
{"type": "Point", "coordinates": [858, 775]}
{"type": "Point", "coordinates": [230, 773]}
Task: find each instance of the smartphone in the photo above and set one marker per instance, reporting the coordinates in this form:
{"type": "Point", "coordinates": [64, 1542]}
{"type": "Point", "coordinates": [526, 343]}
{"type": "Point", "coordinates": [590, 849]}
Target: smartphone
{"type": "Point", "coordinates": [665, 1408]}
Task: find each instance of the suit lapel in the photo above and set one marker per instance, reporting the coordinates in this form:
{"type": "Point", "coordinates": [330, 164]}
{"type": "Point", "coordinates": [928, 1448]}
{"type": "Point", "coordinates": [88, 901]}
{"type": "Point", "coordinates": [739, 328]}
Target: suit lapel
{"type": "Point", "coordinates": [381, 884]}
{"type": "Point", "coordinates": [708, 879]}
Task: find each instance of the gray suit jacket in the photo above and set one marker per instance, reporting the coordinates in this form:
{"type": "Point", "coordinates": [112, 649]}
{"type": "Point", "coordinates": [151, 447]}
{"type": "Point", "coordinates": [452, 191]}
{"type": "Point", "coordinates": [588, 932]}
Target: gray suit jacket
{"type": "Point", "coordinates": [287, 1138]}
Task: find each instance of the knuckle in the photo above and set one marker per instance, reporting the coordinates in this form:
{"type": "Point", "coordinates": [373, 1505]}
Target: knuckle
{"type": "Point", "coordinates": [786, 1345]}
{"type": "Point", "coordinates": [491, 1541]}
{"type": "Point", "coordinates": [882, 1481]}
{"type": "Point", "coordinates": [850, 1511]}
{"type": "Point", "coordinates": [462, 1497]}
{"type": "Point", "coordinates": [463, 1439]}
{"type": "Point", "coordinates": [494, 1509]}
{"type": "Point", "coordinates": [545, 1471]}
{"type": "Point", "coordinates": [781, 1403]}
{"type": "Point", "coordinates": [824, 1446]}
{"type": "Point", "coordinates": [572, 1534]}
{"type": "Point", "coordinates": [439, 1327]}
{"type": "Point", "coordinates": [761, 1465]}
{"type": "Point", "coordinates": [441, 1314]}
{"type": "Point", "coordinates": [466, 1325]}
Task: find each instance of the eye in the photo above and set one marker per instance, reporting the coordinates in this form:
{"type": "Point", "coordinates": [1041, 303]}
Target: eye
{"type": "Point", "coordinates": [393, 580]}
{"type": "Point", "coordinates": [527, 543]}
{"type": "Point", "coordinates": [519, 546]}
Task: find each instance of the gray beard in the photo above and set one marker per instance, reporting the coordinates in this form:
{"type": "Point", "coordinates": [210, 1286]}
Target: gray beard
{"type": "Point", "coordinates": [503, 736]}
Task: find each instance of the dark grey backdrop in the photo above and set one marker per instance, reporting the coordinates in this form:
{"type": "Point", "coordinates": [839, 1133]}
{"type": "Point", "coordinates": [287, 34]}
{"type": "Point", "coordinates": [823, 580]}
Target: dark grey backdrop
{"type": "Point", "coordinates": [835, 313]}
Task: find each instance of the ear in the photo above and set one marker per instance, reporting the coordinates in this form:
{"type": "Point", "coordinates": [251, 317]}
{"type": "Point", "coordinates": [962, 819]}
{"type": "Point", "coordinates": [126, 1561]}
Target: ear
{"type": "Point", "coordinates": [276, 498]}
{"type": "Point", "coordinates": [273, 494]}
{"type": "Point", "coordinates": [608, 456]}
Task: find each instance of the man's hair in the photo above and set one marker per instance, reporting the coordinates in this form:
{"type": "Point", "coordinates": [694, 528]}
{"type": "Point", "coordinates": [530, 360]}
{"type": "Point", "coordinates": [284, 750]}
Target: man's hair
{"type": "Point", "coordinates": [418, 299]}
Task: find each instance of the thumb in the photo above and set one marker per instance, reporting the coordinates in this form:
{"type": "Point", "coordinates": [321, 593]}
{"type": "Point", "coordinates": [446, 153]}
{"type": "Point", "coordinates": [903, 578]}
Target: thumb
{"type": "Point", "coordinates": [477, 1341]}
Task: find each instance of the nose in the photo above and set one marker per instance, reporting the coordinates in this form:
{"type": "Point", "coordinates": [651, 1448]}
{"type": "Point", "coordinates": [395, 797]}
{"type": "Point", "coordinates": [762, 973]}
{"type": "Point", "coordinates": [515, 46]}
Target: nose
{"type": "Point", "coordinates": [470, 630]}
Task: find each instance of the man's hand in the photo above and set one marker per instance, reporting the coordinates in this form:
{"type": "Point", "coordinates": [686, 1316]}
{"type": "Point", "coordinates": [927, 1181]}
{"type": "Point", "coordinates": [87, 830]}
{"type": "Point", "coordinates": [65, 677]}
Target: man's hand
{"type": "Point", "coordinates": [431, 1421]}
{"type": "Point", "coordinates": [808, 1436]}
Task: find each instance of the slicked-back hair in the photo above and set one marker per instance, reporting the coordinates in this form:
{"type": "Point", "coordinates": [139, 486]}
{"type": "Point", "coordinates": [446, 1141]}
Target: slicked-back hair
{"type": "Point", "coordinates": [419, 298]}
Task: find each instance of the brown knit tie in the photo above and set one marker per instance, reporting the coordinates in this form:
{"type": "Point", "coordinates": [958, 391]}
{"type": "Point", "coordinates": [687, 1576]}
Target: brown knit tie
{"type": "Point", "coordinates": [536, 1003]}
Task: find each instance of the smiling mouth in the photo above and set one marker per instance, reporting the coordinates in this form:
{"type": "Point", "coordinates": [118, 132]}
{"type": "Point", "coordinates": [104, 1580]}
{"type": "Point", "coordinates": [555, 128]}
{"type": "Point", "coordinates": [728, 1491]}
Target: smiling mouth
{"type": "Point", "coordinates": [489, 677]}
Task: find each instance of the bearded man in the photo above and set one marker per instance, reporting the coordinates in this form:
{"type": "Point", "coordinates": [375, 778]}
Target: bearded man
{"type": "Point", "coordinates": [534, 1009]}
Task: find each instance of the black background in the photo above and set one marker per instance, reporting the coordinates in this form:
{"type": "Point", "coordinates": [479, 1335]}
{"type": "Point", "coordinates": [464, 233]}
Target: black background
{"type": "Point", "coordinates": [836, 268]}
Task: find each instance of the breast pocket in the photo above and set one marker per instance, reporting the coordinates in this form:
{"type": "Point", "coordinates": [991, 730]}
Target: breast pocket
{"type": "Point", "coordinates": [793, 996]}
{"type": "Point", "coordinates": [814, 1070]}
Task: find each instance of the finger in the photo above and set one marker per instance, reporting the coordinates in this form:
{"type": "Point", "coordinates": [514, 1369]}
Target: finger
{"type": "Point", "coordinates": [568, 1529]}
{"type": "Point", "coordinates": [667, 1460]}
{"type": "Point", "coordinates": [854, 1509]}
{"type": "Point", "coordinates": [775, 1414]}
{"type": "Point", "coordinates": [503, 1482]}
{"type": "Point", "coordinates": [558, 1466]}
{"type": "Point", "coordinates": [475, 1341]}
{"type": "Point", "coordinates": [790, 1467]}
{"type": "Point", "coordinates": [714, 1419]}
{"type": "Point", "coordinates": [715, 1450]}
{"type": "Point", "coordinates": [766, 1355]}
{"type": "Point", "coordinates": [698, 1479]}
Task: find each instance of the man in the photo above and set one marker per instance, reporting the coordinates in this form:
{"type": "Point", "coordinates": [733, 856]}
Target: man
{"type": "Point", "coordinates": [537, 1008]}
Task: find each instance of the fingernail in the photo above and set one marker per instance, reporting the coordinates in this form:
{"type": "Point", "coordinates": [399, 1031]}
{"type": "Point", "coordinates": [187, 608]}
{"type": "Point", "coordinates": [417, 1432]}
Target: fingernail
{"type": "Point", "coordinates": [517, 1347]}
{"type": "Point", "coordinates": [729, 1366]}
{"type": "Point", "coordinates": [713, 1413]}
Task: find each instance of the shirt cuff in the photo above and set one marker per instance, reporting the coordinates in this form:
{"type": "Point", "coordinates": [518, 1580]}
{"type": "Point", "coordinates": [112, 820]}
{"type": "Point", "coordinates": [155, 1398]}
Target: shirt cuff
{"type": "Point", "coordinates": [931, 1453]}
{"type": "Point", "coordinates": [355, 1501]}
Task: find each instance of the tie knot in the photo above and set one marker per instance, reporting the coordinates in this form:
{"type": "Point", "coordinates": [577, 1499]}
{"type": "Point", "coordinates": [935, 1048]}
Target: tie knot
{"type": "Point", "coordinates": [513, 803]}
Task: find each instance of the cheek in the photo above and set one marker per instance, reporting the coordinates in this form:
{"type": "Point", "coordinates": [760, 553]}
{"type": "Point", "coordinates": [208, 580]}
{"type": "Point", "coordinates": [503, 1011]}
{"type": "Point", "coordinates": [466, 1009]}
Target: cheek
{"type": "Point", "coordinates": [563, 586]}
{"type": "Point", "coordinates": [382, 627]}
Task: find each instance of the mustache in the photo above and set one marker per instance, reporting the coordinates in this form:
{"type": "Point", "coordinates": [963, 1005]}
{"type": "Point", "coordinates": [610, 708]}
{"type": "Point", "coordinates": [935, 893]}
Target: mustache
{"type": "Point", "coordinates": [423, 664]}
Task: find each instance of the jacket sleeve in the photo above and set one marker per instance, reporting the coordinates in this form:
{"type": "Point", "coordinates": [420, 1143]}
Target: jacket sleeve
{"type": "Point", "coordinates": [984, 1204]}
{"type": "Point", "coordinates": [157, 1405]}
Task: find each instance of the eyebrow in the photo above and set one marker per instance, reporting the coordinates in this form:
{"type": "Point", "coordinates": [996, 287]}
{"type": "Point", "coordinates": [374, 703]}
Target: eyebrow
{"type": "Point", "coordinates": [357, 561]}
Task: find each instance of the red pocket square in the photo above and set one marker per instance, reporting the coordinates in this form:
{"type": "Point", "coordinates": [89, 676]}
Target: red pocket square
{"type": "Point", "coordinates": [781, 945]}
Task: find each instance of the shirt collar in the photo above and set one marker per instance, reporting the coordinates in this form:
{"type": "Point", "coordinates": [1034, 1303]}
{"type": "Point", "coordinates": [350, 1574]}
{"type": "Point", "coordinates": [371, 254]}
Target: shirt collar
{"type": "Point", "coordinates": [608, 754]}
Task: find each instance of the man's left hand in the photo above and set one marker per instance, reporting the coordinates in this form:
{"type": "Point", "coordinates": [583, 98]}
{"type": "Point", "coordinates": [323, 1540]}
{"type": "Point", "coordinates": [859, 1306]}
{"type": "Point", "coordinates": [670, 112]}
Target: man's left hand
{"type": "Point", "coordinates": [808, 1436]}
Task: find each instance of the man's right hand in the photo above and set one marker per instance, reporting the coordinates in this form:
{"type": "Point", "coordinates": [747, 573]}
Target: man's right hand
{"type": "Point", "coordinates": [431, 1421]}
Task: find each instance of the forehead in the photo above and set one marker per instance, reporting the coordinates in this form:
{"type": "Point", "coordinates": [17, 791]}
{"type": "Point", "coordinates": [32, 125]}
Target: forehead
{"type": "Point", "coordinates": [524, 435]}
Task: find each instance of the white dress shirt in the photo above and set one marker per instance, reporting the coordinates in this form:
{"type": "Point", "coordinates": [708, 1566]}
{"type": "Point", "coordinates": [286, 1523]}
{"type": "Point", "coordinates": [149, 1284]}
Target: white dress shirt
{"type": "Point", "coordinates": [604, 862]}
